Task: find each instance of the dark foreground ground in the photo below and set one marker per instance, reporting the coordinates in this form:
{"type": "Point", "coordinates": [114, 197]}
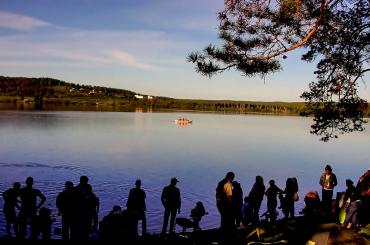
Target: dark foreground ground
{"type": "Point", "coordinates": [291, 232]}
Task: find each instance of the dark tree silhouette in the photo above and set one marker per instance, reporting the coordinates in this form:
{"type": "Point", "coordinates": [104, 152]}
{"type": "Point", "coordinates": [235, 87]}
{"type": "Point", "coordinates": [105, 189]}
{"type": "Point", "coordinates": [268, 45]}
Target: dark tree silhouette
{"type": "Point", "coordinates": [257, 34]}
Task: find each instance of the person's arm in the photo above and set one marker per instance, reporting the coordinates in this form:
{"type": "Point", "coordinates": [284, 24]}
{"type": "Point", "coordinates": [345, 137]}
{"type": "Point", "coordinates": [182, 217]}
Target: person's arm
{"type": "Point", "coordinates": [144, 206]}
{"type": "Point", "coordinates": [322, 180]}
{"type": "Point", "coordinates": [179, 201]}
{"type": "Point", "coordinates": [58, 203]}
{"type": "Point", "coordinates": [163, 197]}
{"type": "Point", "coordinates": [42, 198]}
{"type": "Point", "coordinates": [5, 196]}
{"type": "Point", "coordinates": [129, 199]}
{"type": "Point", "coordinates": [335, 182]}
{"type": "Point", "coordinates": [97, 204]}
{"type": "Point", "coordinates": [17, 202]}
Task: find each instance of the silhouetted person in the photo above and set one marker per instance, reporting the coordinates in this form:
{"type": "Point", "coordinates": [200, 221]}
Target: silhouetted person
{"type": "Point", "coordinates": [224, 199]}
{"type": "Point", "coordinates": [29, 207]}
{"type": "Point", "coordinates": [256, 196]}
{"type": "Point", "coordinates": [136, 205]}
{"type": "Point", "coordinates": [363, 186]}
{"type": "Point", "coordinates": [247, 212]}
{"type": "Point", "coordinates": [84, 203]}
{"type": "Point", "coordinates": [271, 193]}
{"type": "Point", "coordinates": [295, 189]}
{"type": "Point", "coordinates": [288, 201]}
{"type": "Point", "coordinates": [66, 206]}
{"type": "Point", "coordinates": [352, 215]}
{"type": "Point", "coordinates": [309, 223]}
{"type": "Point", "coordinates": [237, 202]}
{"type": "Point", "coordinates": [352, 193]}
{"type": "Point", "coordinates": [111, 226]}
{"type": "Point", "coordinates": [171, 201]}
{"type": "Point", "coordinates": [328, 181]}
{"type": "Point", "coordinates": [118, 225]}
{"type": "Point", "coordinates": [94, 205]}
{"type": "Point", "coordinates": [196, 214]}
{"type": "Point", "coordinates": [44, 222]}
{"type": "Point", "coordinates": [10, 204]}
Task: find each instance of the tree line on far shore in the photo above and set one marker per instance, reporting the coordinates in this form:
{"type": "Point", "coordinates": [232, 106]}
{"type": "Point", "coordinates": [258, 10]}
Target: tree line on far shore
{"type": "Point", "coordinates": [49, 91]}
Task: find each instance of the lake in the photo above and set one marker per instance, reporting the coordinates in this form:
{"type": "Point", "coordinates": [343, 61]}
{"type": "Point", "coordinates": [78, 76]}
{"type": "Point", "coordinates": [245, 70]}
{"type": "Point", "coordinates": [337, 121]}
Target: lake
{"type": "Point", "coordinates": [116, 148]}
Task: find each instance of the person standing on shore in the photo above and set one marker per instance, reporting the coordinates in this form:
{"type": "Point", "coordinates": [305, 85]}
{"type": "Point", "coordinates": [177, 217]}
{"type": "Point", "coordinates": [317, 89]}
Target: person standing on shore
{"type": "Point", "coordinates": [224, 201]}
{"type": "Point", "coordinates": [10, 204]}
{"type": "Point", "coordinates": [256, 196]}
{"type": "Point", "coordinates": [271, 193]}
{"type": "Point", "coordinates": [136, 206]}
{"type": "Point", "coordinates": [65, 205]}
{"type": "Point", "coordinates": [171, 201]}
{"type": "Point", "coordinates": [29, 208]}
{"type": "Point", "coordinates": [237, 202]}
{"type": "Point", "coordinates": [328, 181]}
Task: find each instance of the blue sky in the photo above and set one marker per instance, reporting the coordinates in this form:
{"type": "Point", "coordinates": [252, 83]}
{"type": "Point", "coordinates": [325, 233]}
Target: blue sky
{"type": "Point", "coordinates": [140, 45]}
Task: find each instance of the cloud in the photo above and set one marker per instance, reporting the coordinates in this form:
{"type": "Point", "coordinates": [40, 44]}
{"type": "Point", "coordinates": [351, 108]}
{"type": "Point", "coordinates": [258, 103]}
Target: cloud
{"type": "Point", "coordinates": [20, 22]}
{"type": "Point", "coordinates": [42, 64]}
{"type": "Point", "coordinates": [130, 60]}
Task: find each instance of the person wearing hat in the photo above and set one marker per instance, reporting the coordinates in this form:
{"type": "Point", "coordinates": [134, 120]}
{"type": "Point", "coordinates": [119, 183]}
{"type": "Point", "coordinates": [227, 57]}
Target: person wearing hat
{"type": "Point", "coordinates": [136, 205]}
{"type": "Point", "coordinates": [171, 201]}
{"type": "Point", "coordinates": [328, 181]}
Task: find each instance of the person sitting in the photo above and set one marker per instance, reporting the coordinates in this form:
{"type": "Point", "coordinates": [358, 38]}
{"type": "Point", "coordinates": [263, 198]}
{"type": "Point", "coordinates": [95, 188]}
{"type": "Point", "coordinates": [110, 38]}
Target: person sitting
{"type": "Point", "coordinates": [196, 214]}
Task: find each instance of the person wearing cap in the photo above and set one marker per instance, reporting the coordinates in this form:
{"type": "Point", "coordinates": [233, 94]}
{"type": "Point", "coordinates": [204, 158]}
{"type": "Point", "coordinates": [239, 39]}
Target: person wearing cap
{"type": "Point", "coordinates": [328, 181]}
{"type": "Point", "coordinates": [171, 201]}
{"type": "Point", "coordinates": [136, 205]}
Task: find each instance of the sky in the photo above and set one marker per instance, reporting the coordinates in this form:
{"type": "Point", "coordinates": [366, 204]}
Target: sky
{"type": "Point", "coordinates": [138, 45]}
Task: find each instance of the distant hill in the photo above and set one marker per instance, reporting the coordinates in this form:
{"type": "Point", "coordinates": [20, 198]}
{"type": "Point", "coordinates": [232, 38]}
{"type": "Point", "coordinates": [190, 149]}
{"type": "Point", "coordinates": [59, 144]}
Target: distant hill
{"type": "Point", "coordinates": [49, 93]}
{"type": "Point", "coordinates": [49, 87]}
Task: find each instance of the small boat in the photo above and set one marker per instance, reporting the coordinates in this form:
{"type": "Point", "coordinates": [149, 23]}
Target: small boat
{"type": "Point", "coordinates": [183, 121]}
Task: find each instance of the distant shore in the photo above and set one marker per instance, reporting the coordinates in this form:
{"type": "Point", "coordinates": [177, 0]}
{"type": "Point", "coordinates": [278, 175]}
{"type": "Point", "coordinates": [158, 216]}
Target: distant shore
{"type": "Point", "coordinates": [22, 93]}
{"type": "Point", "coordinates": [158, 104]}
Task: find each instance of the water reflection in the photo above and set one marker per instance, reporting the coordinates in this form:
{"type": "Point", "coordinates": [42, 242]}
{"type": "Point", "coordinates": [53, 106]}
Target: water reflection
{"type": "Point", "coordinates": [115, 149]}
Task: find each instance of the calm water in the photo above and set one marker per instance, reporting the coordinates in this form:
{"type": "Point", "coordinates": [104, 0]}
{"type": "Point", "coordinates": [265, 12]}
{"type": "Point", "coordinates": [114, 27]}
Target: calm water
{"type": "Point", "coordinates": [115, 149]}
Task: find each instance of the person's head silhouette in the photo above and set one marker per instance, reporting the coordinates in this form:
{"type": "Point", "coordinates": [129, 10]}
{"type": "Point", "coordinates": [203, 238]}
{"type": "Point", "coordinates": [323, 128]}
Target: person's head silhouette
{"type": "Point", "coordinates": [29, 182]}
{"type": "Point", "coordinates": [138, 183]}
{"type": "Point", "coordinates": [174, 181]}
{"type": "Point", "coordinates": [84, 180]}
{"type": "Point", "coordinates": [68, 185]}
{"type": "Point", "coordinates": [16, 186]}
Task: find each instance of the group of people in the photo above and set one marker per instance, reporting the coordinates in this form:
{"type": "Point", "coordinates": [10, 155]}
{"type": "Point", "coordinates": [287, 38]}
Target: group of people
{"type": "Point", "coordinates": [229, 198]}
{"type": "Point", "coordinates": [79, 207]}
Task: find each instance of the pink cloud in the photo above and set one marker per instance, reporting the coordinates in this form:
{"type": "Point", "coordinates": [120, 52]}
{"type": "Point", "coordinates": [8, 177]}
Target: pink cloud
{"type": "Point", "coordinates": [20, 22]}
